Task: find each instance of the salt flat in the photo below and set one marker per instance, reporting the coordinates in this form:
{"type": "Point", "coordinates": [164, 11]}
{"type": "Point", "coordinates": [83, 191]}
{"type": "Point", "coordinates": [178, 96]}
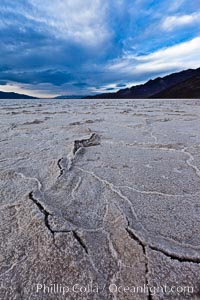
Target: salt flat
{"type": "Point", "coordinates": [121, 213]}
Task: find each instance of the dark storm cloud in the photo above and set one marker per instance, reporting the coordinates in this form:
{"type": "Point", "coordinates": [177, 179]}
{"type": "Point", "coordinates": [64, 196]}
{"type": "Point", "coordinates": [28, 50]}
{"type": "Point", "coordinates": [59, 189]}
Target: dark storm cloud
{"type": "Point", "coordinates": [75, 46]}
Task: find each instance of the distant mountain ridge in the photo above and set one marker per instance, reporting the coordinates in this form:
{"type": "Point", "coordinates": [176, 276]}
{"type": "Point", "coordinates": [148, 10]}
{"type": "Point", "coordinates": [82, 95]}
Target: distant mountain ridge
{"type": "Point", "coordinates": [5, 95]}
{"type": "Point", "coordinates": [184, 84]}
{"type": "Point", "coordinates": [69, 97]}
{"type": "Point", "coordinates": [157, 88]}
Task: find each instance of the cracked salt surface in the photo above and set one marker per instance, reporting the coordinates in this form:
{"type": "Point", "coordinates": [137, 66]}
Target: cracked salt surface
{"type": "Point", "coordinates": [123, 212]}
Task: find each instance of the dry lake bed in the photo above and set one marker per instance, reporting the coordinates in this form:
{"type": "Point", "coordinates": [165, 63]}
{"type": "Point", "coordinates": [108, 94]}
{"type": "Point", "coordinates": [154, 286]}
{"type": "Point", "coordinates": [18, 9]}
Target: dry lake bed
{"type": "Point", "coordinates": [99, 199]}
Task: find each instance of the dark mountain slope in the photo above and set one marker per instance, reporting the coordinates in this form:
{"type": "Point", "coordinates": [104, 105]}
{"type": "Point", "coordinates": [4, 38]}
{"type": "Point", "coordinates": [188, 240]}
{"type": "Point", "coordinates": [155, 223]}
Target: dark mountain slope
{"type": "Point", "coordinates": [151, 87]}
{"type": "Point", "coordinates": [4, 95]}
{"type": "Point", "coordinates": [189, 88]}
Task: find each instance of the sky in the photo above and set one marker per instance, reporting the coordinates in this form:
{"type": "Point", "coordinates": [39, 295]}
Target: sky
{"type": "Point", "coordinates": [83, 47]}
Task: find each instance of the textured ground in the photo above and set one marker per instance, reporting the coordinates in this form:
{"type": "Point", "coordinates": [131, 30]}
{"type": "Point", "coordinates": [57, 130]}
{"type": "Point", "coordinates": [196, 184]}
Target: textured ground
{"type": "Point", "coordinates": [122, 213]}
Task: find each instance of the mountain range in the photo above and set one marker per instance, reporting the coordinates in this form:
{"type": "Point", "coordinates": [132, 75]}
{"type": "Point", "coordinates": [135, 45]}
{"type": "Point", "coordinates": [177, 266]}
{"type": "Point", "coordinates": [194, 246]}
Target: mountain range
{"type": "Point", "coordinates": [5, 95]}
{"type": "Point", "coordinates": [184, 84]}
{"type": "Point", "coordinates": [70, 97]}
{"type": "Point", "coordinates": [189, 88]}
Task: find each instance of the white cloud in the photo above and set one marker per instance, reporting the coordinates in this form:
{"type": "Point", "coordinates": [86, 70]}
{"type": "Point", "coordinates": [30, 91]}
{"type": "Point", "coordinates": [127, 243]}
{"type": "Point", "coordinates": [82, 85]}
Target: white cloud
{"type": "Point", "coordinates": [82, 21]}
{"type": "Point", "coordinates": [172, 22]}
{"type": "Point", "coordinates": [182, 56]}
